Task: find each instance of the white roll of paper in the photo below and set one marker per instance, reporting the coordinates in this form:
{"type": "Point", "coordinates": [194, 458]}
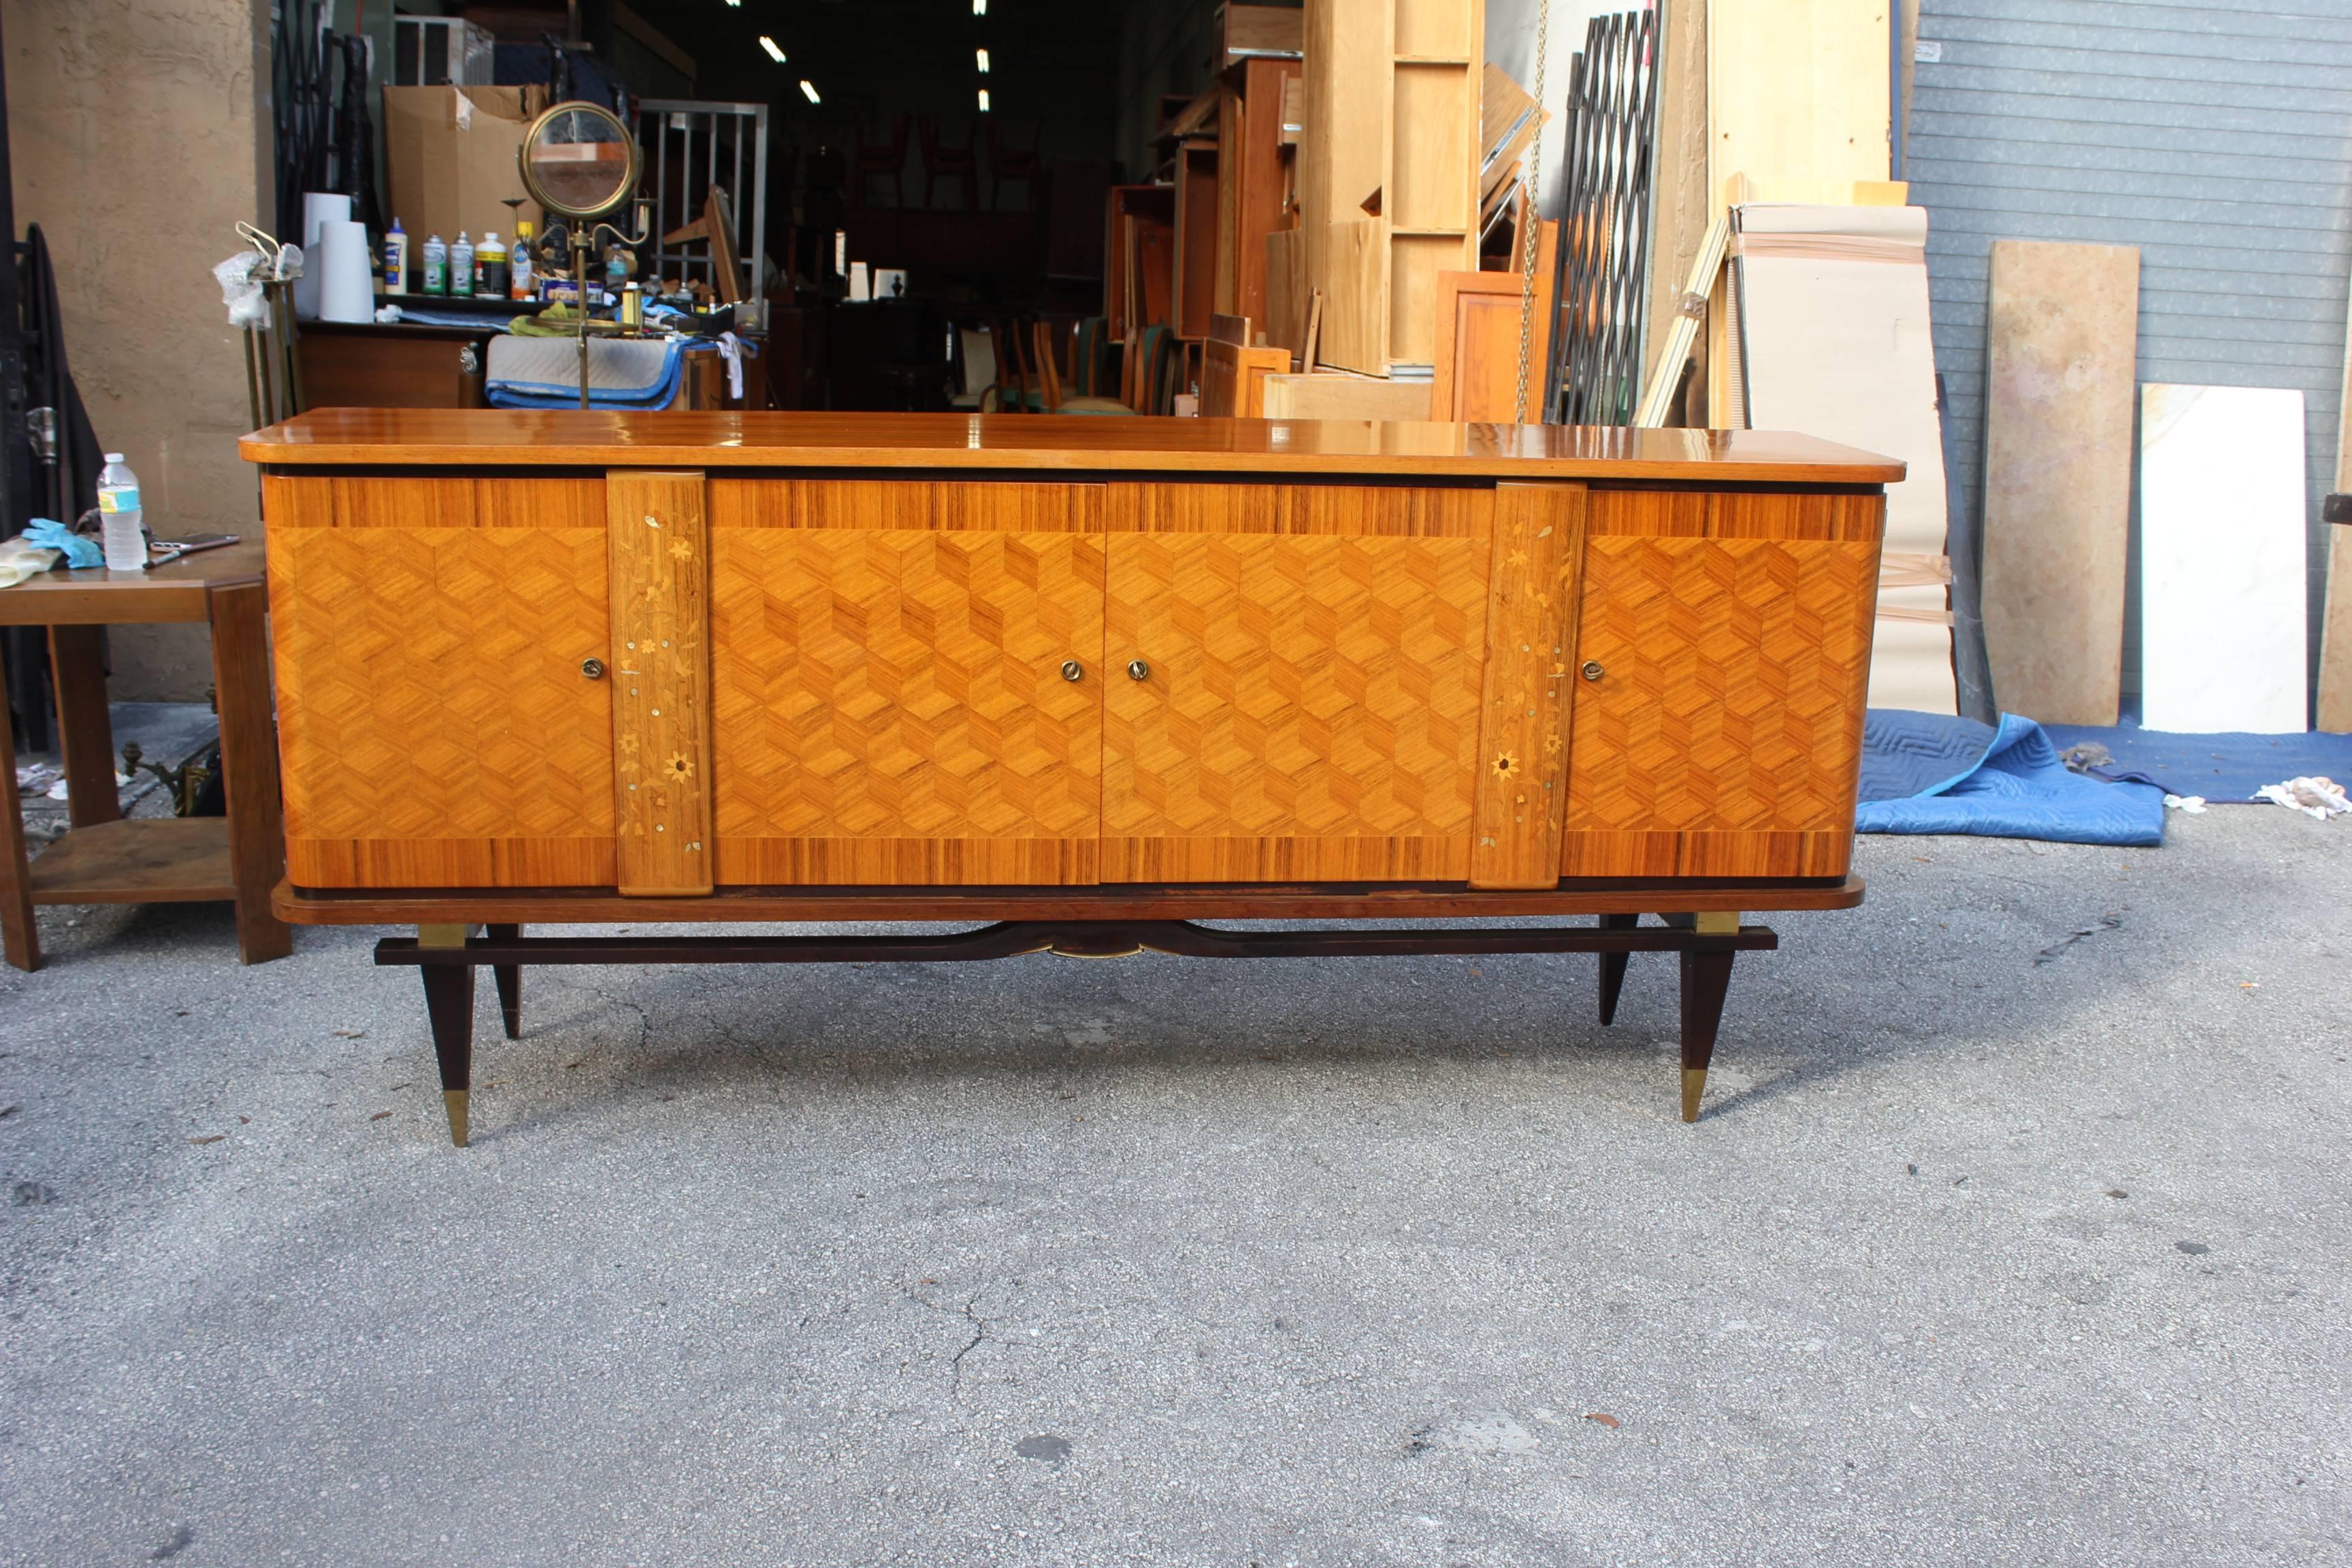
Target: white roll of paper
{"type": "Point", "coordinates": [346, 287]}
{"type": "Point", "coordinates": [318, 207]}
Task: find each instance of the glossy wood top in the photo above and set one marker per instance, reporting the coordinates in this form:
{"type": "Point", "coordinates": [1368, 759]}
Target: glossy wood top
{"type": "Point", "coordinates": [442, 437]}
{"type": "Point", "coordinates": [178, 591]}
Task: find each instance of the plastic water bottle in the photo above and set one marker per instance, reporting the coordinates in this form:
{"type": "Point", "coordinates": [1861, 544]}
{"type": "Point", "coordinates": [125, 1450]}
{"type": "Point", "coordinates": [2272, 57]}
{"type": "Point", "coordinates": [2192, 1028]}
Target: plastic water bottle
{"type": "Point", "coordinates": [461, 268]}
{"type": "Point", "coordinates": [436, 265]}
{"type": "Point", "coordinates": [123, 534]}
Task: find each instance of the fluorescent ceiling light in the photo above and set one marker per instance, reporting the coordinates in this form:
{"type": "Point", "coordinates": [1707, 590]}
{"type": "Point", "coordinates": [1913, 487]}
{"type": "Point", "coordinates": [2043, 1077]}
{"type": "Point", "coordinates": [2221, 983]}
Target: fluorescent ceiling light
{"type": "Point", "coordinates": [982, 54]}
{"type": "Point", "coordinates": [983, 101]}
{"type": "Point", "coordinates": [774, 53]}
{"type": "Point", "coordinates": [735, 2]}
{"type": "Point", "coordinates": [980, 7]}
{"type": "Point", "coordinates": [808, 90]}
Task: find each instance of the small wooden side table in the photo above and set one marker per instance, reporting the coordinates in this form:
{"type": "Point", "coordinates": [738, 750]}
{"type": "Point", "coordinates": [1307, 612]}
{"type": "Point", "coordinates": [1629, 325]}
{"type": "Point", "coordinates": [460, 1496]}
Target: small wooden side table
{"type": "Point", "coordinates": [105, 857]}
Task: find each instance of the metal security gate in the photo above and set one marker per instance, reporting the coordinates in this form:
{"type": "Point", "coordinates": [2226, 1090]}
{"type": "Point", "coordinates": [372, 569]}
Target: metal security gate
{"type": "Point", "coordinates": [1604, 232]}
{"type": "Point", "coordinates": [2212, 135]}
{"type": "Point", "coordinates": [689, 148]}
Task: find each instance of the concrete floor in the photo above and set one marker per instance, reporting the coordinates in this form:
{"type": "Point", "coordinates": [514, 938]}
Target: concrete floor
{"type": "Point", "coordinates": [2016, 1232]}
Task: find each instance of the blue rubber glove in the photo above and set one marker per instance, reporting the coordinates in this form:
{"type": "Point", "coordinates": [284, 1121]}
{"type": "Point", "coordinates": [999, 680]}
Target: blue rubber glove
{"type": "Point", "coordinates": [51, 534]}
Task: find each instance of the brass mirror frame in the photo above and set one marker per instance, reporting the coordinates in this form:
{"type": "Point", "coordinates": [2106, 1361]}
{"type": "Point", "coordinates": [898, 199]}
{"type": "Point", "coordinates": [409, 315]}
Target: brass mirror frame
{"type": "Point", "coordinates": [628, 176]}
{"type": "Point", "coordinates": [582, 222]}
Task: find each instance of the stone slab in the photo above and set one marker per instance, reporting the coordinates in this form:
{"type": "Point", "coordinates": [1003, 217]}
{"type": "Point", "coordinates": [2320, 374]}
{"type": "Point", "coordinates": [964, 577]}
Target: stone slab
{"type": "Point", "coordinates": [2222, 594]}
{"type": "Point", "coordinates": [2060, 368]}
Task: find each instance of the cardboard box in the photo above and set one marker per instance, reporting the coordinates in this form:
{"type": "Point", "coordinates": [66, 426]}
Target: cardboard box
{"type": "Point", "coordinates": [450, 158]}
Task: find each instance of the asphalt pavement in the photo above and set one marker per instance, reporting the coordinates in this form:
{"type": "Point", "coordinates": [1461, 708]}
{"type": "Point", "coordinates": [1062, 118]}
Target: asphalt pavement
{"type": "Point", "coordinates": [2016, 1231]}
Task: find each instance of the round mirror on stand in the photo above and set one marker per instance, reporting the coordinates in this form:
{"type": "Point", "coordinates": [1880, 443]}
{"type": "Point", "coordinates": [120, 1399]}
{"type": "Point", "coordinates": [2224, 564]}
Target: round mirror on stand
{"type": "Point", "coordinates": [580, 162]}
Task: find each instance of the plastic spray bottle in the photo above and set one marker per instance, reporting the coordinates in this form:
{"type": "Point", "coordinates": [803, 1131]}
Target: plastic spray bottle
{"type": "Point", "coordinates": [395, 260]}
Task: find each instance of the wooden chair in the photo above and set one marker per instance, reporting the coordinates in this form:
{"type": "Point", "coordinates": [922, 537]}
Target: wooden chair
{"type": "Point", "coordinates": [977, 387]}
{"type": "Point", "coordinates": [1090, 369]}
{"type": "Point", "coordinates": [1017, 375]}
{"type": "Point", "coordinates": [876, 159]}
{"type": "Point", "coordinates": [941, 161]}
{"type": "Point", "coordinates": [1011, 163]}
{"type": "Point", "coordinates": [1050, 380]}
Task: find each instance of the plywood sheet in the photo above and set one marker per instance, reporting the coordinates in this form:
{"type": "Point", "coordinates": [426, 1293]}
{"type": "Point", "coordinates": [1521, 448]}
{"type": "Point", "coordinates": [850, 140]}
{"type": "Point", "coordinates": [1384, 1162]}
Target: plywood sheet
{"type": "Point", "coordinates": [1433, 184]}
{"type": "Point", "coordinates": [2336, 630]}
{"type": "Point", "coordinates": [2222, 559]}
{"type": "Point", "coordinates": [1355, 295]}
{"type": "Point", "coordinates": [1834, 343]}
{"type": "Point", "coordinates": [1330, 396]}
{"type": "Point", "coordinates": [1797, 96]}
{"type": "Point", "coordinates": [2059, 377]}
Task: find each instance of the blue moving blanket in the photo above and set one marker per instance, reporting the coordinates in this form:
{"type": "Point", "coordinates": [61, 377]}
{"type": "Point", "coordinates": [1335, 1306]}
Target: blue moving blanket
{"type": "Point", "coordinates": [2219, 767]}
{"type": "Point", "coordinates": [544, 373]}
{"type": "Point", "coordinates": [1927, 772]}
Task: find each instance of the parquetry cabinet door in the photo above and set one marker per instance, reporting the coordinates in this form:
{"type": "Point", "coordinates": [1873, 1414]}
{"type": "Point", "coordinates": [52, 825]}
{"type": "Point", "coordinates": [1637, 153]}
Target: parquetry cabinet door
{"type": "Point", "coordinates": [1293, 689]}
{"type": "Point", "coordinates": [1722, 654]}
{"type": "Point", "coordinates": [908, 681]}
{"type": "Point", "coordinates": [435, 724]}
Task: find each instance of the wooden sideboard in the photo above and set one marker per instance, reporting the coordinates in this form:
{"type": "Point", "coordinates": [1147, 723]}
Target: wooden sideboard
{"type": "Point", "coordinates": [538, 666]}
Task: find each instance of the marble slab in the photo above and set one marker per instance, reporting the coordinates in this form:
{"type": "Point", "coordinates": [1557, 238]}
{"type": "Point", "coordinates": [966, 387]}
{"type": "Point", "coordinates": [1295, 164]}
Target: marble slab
{"type": "Point", "coordinates": [2221, 560]}
{"type": "Point", "coordinates": [2336, 630]}
{"type": "Point", "coordinates": [2060, 369]}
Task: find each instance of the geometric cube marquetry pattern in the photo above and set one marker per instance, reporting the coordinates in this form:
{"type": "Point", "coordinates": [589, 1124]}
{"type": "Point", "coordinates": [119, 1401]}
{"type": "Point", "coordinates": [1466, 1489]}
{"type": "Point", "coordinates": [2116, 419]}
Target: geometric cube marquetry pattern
{"type": "Point", "coordinates": [1730, 698]}
{"type": "Point", "coordinates": [1312, 706]}
{"type": "Point", "coordinates": [429, 689]}
{"type": "Point", "coordinates": [890, 705]}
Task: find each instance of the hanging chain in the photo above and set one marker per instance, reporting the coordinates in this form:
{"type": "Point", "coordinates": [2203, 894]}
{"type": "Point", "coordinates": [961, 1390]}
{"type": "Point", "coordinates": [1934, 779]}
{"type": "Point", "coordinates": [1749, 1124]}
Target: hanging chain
{"type": "Point", "coordinates": [1530, 235]}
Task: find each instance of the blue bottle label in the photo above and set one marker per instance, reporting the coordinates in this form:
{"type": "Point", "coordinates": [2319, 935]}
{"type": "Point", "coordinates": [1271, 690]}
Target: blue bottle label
{"type": "Point", "coordinates": [125, 499]}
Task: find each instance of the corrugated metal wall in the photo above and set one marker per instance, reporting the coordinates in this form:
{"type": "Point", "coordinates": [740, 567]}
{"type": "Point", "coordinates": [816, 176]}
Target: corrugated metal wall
{"type": "Point", "coordinates": [2214, 136]}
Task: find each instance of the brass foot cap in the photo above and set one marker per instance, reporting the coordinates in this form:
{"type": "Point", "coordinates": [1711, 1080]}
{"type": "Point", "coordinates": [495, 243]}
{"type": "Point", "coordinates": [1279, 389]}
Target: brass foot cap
{"type": "Point", "coordinates": [1694, 1085]}
{"type": "Point", "coordinates": [455, 1098]}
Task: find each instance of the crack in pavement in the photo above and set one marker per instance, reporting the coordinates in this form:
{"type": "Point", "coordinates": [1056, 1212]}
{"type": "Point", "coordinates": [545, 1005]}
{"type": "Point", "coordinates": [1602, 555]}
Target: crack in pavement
{"type": "Point", "coordinates": [2107, 923]}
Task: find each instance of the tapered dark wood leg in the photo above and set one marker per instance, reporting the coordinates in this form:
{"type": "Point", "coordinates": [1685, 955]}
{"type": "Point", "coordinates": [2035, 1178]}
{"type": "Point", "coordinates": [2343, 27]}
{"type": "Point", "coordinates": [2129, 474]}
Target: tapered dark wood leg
{"type": "Point", "coordinates": [450, 1002]}
{"type": "Point", "coordinates": [20, 939]}
{"type": "Point", "coordinates": [1707, 977]}
{"type": "Point", "coordinates": [1613, 967]}
{"type": "Point", "coordinates": [509, 982]}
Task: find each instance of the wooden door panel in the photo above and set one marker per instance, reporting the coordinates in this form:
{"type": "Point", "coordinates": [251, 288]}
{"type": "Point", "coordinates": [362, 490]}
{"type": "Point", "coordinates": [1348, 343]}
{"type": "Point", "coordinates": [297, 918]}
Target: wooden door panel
{"type": "Point", "coordinates": [891, 709]}
{"type": "Point", "coordinates": [433, 722]}
{"type": "Point", "coordinates": [1312, 710]}
{"type": "Point", "coordinates": [1723, 736]}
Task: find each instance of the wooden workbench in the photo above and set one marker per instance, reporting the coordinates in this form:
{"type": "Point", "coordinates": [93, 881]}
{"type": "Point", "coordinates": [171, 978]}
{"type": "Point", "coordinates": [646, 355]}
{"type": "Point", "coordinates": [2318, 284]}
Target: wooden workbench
{"type": "Point", "coordinates": [551, 667]}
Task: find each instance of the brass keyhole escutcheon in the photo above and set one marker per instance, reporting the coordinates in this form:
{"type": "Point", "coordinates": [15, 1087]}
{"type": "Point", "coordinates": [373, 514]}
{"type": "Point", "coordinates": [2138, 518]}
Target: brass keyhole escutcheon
{"type": "Point", "coordinates": [594, 669]}
{"type": "Point", "coordinates": [1592, 670]}
{"type": "Point", "coordinates": [1072, 671]}
{"type": "Point", "coordinates": [1137, 670]}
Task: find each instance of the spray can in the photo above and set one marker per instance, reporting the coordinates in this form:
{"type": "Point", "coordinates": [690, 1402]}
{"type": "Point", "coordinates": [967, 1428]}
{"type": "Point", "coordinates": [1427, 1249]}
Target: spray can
{"type": "Point", "coordinates": [519, 279]}
{"type": "Point", "coordinates": [461, 268]}
{"type": "Point", "coordinates": [395, 260]}
{"type": "Point", "coordinates": [436, 265]}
